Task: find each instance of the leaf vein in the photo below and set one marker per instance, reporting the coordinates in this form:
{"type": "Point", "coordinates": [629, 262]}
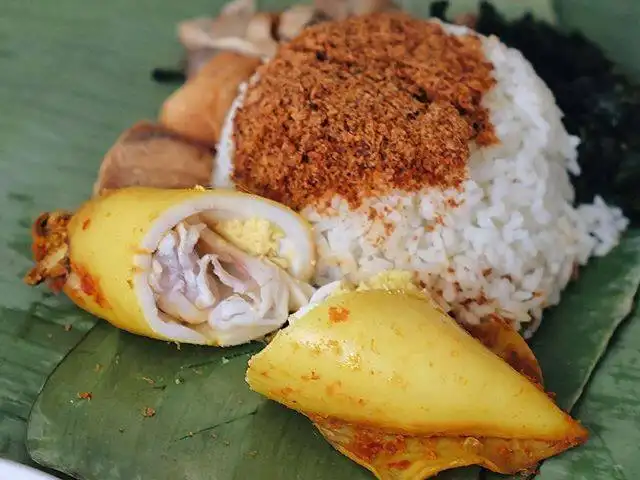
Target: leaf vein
{"type": "Point", "coordinates": [219, 424]}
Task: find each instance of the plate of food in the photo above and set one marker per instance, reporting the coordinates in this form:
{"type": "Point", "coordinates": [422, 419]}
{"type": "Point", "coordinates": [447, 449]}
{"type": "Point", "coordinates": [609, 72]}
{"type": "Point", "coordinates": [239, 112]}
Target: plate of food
{"type": "Point", "coordinates": [338, 240]}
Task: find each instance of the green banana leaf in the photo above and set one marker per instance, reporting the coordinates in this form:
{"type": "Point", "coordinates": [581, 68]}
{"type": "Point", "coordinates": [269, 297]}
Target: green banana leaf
{"type": "Point", "coordinates": [69, 84]}
{"type": "Point", "coordinates": [575, 335]}
{"type": "Point", "coordinates": [609, 409]}
{"type": "Point", "coordinates": [208, 423]}
{"type": "Point", "coordinates": [73, 75]}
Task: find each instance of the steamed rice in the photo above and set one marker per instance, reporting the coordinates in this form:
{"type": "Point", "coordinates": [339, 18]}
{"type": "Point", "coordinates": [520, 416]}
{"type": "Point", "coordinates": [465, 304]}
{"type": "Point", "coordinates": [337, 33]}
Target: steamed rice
{"type": "Point", "coordinates": [507, 243]}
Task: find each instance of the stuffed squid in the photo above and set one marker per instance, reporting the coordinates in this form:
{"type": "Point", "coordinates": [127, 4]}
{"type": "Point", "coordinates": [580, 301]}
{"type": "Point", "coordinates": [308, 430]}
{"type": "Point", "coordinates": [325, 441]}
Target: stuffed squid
{"type": "Point", "coordinates": [194, 266]}
{"type": "Point", "coordinates": [395, 384]}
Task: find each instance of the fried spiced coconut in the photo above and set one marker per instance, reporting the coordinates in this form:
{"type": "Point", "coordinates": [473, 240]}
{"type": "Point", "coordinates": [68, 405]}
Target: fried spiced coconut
{"type": "Point", "coordinates": [384, 99]}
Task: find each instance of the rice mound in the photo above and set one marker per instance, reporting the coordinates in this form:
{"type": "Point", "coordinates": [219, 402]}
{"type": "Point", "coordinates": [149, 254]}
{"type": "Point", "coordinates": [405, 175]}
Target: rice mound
{"type": "Point", "coordinates": [506, 243]}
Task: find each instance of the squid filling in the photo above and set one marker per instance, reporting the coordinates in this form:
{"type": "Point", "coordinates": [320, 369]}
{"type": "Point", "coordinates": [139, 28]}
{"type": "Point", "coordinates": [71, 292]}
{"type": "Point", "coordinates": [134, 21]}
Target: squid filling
{"type": "Point", "coordinates": [201, 280]}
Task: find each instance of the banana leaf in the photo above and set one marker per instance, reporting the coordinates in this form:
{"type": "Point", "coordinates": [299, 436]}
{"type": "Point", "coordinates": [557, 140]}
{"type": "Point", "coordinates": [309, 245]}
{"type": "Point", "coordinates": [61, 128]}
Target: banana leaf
{"type": "Point", "coordinates": [159, 412]}
{"type": "Point", "coordinates": [69, 84]}
{"type": "Point", "coordinates": [569, 346]}
{"type": "Point", "coordinates": [609, 409]}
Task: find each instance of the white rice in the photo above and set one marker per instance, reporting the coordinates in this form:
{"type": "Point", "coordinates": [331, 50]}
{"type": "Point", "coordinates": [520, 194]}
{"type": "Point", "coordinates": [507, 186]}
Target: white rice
{"type": "Point", "coordinates": [510, 245]}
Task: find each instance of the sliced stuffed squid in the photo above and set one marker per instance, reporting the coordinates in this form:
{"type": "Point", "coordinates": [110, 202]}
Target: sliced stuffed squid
{"type": "Point", "coordinates": [395, 384]}
{"type": "Point", "coordinates": [194, 266]}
